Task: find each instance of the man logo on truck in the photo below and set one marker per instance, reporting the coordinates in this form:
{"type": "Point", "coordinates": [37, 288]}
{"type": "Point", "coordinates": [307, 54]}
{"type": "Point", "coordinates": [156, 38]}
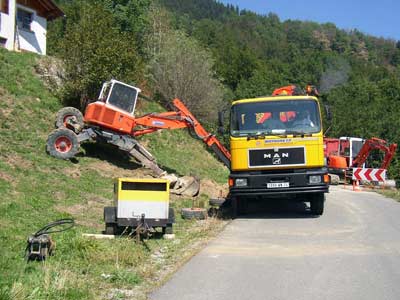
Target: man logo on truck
{"type": "Point", "coordinates": [276, 155]}
{"type": "Point", "coordinates": [276, 161]}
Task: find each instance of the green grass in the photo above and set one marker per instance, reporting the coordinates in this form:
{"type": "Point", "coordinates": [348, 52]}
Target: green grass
{"type": "Point", "coordinates": [177, 151]}
{"type": "Point", "coordinates": [37, 189]}
{"type": "Point", "coordinates": [394, 194]}
{"type": "Point", "coordinates": [179, 154]}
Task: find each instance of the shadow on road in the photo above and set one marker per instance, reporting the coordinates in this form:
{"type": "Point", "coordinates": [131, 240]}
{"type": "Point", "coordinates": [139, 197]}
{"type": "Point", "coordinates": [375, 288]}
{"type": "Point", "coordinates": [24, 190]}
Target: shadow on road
{"type": "Point", "coordinates": [274, 209]}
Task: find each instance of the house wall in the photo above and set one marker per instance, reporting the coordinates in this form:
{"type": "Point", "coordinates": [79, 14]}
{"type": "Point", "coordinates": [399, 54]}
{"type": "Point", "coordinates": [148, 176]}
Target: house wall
{"type": "Point", "coordinates": [34, 40]}
{"type": "Point", "coordinates": [7, 28]}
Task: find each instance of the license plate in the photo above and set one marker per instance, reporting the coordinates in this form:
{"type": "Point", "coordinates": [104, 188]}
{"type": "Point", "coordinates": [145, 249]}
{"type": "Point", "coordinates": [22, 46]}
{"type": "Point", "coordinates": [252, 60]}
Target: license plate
{"type": "Point", "coordinates": [274, 185]}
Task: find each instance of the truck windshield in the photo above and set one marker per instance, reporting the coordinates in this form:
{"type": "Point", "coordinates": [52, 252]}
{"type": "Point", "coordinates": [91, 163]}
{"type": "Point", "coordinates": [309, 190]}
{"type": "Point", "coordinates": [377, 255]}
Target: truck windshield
{"type": "Point", "coordinates": [275, 117]}
{"type": "Point", "coordinates": [123, 97]}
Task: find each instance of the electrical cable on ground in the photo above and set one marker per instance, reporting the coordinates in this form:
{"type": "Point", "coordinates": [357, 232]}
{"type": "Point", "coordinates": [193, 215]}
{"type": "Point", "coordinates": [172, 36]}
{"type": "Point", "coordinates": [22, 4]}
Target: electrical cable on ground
{"type": "Point", "coordinates": [40, 245]}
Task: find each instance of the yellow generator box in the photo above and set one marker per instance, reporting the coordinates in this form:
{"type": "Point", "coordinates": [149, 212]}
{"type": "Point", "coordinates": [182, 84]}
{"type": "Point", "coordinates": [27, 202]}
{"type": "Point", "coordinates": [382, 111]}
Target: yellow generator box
{"type": "Point", "coordinates": [135, 197]}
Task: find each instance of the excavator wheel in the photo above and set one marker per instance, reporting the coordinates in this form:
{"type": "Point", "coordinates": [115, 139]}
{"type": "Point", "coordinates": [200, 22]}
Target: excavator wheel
{"type": "Point", "coordinates": [67, 116]}
{"type": "Point", "coordinates": [62, 143]}
{"type": "Point", "coordinates": [194, 213]}
{"type": "Point", "coordinates": [216, 201]}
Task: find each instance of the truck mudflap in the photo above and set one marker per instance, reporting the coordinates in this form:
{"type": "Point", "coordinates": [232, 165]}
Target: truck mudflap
{"type": "Point", "coordinates": [269, 183]}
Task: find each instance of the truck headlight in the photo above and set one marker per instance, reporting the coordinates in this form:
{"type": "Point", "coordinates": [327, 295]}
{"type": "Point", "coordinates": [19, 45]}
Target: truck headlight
{"type": "Point", "coordinates": [241, 182]}
{"type": "Point", "coordinates": [314, 179]}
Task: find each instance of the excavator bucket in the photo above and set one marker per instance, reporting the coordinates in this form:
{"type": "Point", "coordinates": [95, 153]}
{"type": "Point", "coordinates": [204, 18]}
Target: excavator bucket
{"type": "Point", "coordinates": [185, 186]}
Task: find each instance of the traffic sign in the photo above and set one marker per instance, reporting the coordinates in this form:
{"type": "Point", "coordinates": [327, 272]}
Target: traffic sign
{"type": "Point", "coordinates": [369, 174]}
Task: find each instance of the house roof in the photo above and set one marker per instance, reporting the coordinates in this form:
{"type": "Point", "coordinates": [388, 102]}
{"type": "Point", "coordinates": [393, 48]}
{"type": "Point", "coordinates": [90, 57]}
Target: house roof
{"type": "Point", "coordinates": [53, 11]}
{"type": "Point", "coordinates": [45, 8]}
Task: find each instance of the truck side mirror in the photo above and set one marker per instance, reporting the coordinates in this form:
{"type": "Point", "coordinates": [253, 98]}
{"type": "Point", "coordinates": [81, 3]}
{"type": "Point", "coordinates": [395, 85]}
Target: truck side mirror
{"type": "Point", "coordinates": [328, 112]}
{"type": "Point", "coordinates": [221, 129]}
{"type": "Point", "coordinates": [220, 119]}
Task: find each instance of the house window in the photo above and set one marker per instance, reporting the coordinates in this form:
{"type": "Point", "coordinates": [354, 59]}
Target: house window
{"type": "Point", "coordinates": [24, 19]}
{"type": "Point", "coordinates": [3, 42]}
{"type": "Point", "coordinates": [4, 6]}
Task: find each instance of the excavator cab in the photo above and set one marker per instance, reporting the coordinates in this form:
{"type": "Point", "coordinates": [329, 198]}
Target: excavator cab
{"type": "Point", "coordinates": [114, 108]}
{"type": "Point", "coordinates": [349, 148]}
{"type": "Point", "coordinates": [120, 95]}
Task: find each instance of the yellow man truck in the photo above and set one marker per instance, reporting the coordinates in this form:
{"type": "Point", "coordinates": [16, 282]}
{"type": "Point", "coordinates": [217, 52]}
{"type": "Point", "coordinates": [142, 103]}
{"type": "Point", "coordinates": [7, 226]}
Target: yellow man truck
{"type": "Point", "coordinates": [276, 146]}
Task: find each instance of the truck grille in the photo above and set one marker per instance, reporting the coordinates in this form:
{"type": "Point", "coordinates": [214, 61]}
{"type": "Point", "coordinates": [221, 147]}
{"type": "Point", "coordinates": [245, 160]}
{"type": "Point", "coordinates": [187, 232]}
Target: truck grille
{"type": "Point", "coordinates": [276, 157]}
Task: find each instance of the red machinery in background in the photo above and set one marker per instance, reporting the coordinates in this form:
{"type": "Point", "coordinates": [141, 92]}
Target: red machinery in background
{"type": "Point", "coordinates": [111, 120]}
{"type": "Point", "coordinates": [345, 153]}
{"type": "Point", "coordinates": [294, 90]}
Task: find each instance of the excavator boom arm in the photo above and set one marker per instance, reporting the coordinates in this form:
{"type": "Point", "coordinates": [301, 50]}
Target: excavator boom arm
{"type": "Point", "coordinates": [375, 144]}
{"type": "Point", "coordinates": [181, 118]}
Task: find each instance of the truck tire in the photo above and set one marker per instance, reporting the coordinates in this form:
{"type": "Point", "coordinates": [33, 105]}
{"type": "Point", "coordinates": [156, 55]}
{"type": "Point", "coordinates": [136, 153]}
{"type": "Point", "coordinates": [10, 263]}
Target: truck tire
{"type": "Point", "coordinates": [213, 212]}
{"type": "Point", "coordinates": [194, 213]}
{"type": "Point", "coordinates": [234, 207]}
{"type": "Point", "coordinates": [317, 204]}
{"type": "Point", "coordinates": [62, 143]}
{"type": "Point", "coordinates": [66, 113]}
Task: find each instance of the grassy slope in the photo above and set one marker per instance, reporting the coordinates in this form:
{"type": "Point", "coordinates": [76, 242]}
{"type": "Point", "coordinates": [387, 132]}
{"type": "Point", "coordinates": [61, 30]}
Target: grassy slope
{"type": "Point", "coordinates": [394, 194]}
{"type": "Point", "coordinates": [36, 189]}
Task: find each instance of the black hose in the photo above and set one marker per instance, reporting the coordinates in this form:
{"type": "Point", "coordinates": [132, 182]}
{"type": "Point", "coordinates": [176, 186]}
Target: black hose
{"type": "Point", "coordinates": [46, 229]}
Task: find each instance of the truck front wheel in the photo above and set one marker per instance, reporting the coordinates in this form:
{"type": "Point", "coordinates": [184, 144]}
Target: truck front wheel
{"type": "Point", "coordinates": [317, 204]}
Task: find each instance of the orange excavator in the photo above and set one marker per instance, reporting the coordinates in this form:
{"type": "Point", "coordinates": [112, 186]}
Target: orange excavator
{"type": "Point", "coordinates": [111, 120]}
{"type": "Point", "coordinates": [349, 152]}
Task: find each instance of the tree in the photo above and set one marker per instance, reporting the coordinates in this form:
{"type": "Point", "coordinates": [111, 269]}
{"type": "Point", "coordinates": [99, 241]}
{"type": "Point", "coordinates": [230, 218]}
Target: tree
{"type": "Point", "coordinates": [130, 16]}
{"type": "Point", "coordinates": [183, 69]}
{"type": "Point", "coordinates": [94, 50]}
{"type": "Point", "coordinates": [261, 84]}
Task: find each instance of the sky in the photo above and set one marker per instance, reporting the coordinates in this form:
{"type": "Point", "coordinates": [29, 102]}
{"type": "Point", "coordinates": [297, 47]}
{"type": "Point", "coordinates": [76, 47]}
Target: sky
{"type": "Point", "coordinates": [380, 18]}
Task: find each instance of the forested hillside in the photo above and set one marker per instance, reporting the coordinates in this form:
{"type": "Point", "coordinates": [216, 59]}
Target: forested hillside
{"type": "Point", "coordinates": [209, 54]}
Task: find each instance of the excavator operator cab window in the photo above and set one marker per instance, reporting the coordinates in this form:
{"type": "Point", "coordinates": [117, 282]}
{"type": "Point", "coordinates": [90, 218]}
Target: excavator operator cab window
{"type": "Point", "coordinates": [120, 95]}
{"type": "Point", "coordinates": [356, 147]}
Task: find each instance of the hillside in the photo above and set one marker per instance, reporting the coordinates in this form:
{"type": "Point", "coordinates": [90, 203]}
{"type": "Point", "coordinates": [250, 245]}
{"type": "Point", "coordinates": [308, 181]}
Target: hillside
{"type": "Point", "coordinates": [37, 189]}
{"type": "Point", "coordinates": [357, 74]}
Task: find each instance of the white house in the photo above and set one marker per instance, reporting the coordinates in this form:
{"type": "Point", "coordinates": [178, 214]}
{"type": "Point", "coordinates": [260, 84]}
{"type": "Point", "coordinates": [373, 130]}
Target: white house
{"type": "Point", "coordinates": [23, 24]}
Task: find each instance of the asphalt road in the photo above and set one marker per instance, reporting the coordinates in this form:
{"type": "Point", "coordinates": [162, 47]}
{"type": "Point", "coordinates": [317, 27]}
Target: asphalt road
{"type": "Point", "coordinates": [351, 252]}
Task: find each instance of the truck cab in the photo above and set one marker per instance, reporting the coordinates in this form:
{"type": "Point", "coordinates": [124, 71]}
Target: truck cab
{"type": "Point", "coordinates": [277, 150]}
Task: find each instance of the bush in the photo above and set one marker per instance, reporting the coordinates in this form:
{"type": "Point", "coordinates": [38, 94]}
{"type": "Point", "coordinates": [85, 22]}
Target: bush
{"type": "Point", "coordinates": [183, 69]}
{"type": "Point", "coordinates": [94, 50]}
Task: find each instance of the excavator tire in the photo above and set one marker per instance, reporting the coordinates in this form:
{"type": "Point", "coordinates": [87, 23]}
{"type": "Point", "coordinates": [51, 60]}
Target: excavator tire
{"type": "Point", "coordinates": [62, 143]}
{"type": "Point", "coordinates": [194, 213]}
{"type": "Point", "coordinates": [66, 113]}
{"type": "Point", "coordinates": [216, 201]}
